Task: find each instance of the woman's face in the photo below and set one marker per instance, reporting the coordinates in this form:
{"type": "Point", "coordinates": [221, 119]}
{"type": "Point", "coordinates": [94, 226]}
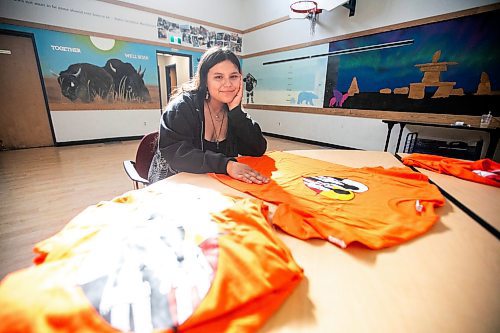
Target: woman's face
{"type": "Point", "coordinates": [223, 81]}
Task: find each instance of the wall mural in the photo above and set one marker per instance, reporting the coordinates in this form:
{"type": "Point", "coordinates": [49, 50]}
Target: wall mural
{"type": "Point", "coordinates": [274, 79]}
{"type": "Point", "coordinates": [89, 73]}
{"type": "Point", "coordinates": [447, 67]}
{"type": "Point", "coordinates": [196, 36]}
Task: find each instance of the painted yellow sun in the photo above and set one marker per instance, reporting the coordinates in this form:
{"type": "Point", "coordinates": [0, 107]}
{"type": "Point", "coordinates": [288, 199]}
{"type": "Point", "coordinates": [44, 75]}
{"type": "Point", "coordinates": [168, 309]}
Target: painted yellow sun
{"type": "Point", "coordinates": [104, 44]}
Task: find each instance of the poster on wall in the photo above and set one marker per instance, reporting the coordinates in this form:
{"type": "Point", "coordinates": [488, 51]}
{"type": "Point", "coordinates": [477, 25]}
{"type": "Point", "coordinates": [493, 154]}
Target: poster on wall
{"type": "Point", "coordinates": [196, 36]}
{"type": "Point", "coordinates": [84, 72]}
{"type": "Point", "coordinates": [449, 67]}
{"type": "Point", "coordinates": [272, 79]}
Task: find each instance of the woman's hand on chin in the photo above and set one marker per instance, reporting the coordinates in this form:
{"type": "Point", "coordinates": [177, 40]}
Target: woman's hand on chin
{"type": "Point", "coordinates": [237, 99]}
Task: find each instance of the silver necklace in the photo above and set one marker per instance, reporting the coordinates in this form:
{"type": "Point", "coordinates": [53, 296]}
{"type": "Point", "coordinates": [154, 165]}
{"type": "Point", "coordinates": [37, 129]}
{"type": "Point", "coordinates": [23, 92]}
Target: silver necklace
{"type": "Point", "coordinates": [217, 116]}
{"type": "Point", "coordinates": [213, 124]}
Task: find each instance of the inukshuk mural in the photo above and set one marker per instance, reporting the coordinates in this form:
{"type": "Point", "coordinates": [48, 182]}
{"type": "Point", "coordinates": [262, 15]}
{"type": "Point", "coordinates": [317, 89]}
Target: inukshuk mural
{"type": "Point", "coordinates": [432, 78]}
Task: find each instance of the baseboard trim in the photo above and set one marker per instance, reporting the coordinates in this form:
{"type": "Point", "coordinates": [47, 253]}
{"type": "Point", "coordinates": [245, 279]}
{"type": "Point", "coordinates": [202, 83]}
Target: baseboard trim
{"type": "Point", "coordinates": [311, 142]}
{"type": "Point", "coordinates": [105, 140]}
{"type": "Point", "coordinates": [130, 138]}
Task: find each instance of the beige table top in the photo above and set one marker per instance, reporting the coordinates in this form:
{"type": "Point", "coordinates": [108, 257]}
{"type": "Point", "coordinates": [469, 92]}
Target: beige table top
{"type": "Point", "coordinates": [444, 281]}
{"type": "Point", "coordinates": [482, 199]}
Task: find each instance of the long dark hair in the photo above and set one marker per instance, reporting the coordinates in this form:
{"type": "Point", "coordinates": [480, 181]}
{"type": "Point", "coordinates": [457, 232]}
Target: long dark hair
{"type": "Point", "coordinates": [213, 56]}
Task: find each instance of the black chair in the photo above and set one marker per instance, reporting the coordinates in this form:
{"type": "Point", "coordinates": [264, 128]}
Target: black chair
{"type": "Point", "coordinates": [138, 170]}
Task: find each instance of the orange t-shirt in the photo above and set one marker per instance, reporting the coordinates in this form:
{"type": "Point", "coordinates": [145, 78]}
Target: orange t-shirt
{"type": "Point", "coordinates": [143, 262]}
{"type": "Point", "coordinates": [374, 206]}
{"type": "Point", "coordinates": [483, 171]}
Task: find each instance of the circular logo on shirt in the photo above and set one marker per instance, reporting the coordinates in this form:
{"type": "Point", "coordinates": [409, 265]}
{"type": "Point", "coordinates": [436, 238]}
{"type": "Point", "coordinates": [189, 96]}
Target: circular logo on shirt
{"type": "Point", "coordinates": [334, 187]}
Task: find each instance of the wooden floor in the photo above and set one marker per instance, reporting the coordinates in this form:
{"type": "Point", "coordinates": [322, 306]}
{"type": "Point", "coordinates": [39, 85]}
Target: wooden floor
{"type": "Point", "coordinates": [42, 189]}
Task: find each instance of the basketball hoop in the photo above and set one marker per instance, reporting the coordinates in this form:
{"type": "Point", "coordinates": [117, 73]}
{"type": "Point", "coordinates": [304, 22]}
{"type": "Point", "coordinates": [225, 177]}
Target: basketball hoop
{"type": "Point", "coordinates": [309, 8]}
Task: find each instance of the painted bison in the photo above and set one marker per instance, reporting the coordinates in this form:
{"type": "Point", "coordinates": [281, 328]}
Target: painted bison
{"type": "Point", "coordinates": [128, 83]}
{"type": "Point", "coordinates": [85, 81]}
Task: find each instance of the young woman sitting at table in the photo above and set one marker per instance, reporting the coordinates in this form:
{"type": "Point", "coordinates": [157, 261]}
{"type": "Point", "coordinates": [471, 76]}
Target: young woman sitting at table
{"type": "Point", "coordinates": [203, 127]}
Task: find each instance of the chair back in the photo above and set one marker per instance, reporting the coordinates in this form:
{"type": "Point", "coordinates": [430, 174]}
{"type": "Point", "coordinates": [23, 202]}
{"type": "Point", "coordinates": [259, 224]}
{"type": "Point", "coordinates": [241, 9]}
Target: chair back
{"type": "Point", "coordinates": [145, 153]}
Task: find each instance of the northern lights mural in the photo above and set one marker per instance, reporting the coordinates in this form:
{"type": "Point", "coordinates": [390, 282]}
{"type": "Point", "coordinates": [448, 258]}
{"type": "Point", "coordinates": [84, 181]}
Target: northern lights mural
{"type": "Point", "coordinates": [447, 67]}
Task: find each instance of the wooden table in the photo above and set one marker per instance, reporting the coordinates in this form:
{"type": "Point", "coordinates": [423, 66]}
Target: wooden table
{"type": "Point", "coordinates": [444, 281]}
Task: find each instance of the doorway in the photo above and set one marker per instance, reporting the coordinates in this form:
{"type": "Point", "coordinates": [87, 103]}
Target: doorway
{"type": "Point", "coordinates": [171, 78]}
{"type": "Point", "coordinates": [174, 69]}
{"type": "Point", "coordinates": [24, 116]}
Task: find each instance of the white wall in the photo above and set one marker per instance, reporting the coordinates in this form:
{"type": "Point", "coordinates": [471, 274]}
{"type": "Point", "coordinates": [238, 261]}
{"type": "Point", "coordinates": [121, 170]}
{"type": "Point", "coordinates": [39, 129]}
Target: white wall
{"type": "Point", "coordinates": [257, 12]}
{"type": "Point", "coordinates": [353, 132]}
{"type": "Point", "coordinates": [102, 17]}
{"type": "Point", "coordinates": [224, 12]}
{"type": "Point", "coordinates": [98, 16]}
{"type": "Point", "coordinates": [323, 128]}
{"type": "Point", "coordinates": [369, 14]}
{"type": "Point", "coordinates": [98, 124]}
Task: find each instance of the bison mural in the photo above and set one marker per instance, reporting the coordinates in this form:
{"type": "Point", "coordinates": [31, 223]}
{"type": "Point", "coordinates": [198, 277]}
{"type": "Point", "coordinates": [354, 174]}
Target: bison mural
{"type": "Point", "coordinates": [85, 81]}
{"type": "Point", "coordinates": [128, 83]}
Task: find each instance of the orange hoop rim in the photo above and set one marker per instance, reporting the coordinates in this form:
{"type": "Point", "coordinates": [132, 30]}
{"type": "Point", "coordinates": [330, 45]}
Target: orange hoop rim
{"type": "Point", "coordinates": [303, 9]}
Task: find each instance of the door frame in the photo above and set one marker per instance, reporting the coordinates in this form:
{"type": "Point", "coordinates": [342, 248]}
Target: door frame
{"type": "Point", "coordinates": [40, 76]}
{"type": "Point", "coordinates": [167, 78]}
{"type": "Point", "coordinates": [177, 54]}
